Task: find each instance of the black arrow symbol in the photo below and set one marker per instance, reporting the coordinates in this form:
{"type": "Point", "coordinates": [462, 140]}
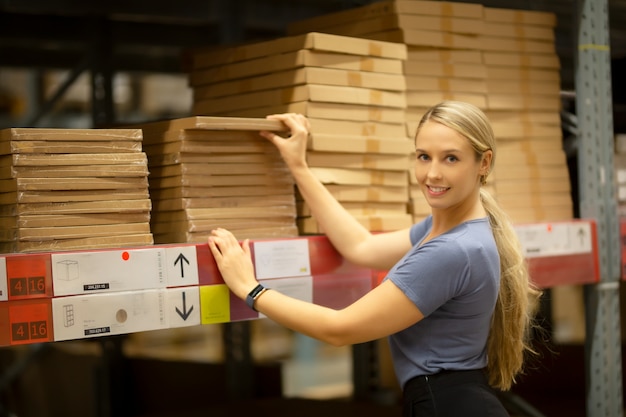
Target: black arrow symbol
{"type": "Point", "coordinates": [185, 314]}
{"type": "Point", "coordinates": [180, 258]}
{"type": "Point", "coordinates": [581, 235]}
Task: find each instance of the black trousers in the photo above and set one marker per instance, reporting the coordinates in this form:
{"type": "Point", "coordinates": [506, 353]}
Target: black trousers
{"type": "Point", "coordinates": [452, 394]}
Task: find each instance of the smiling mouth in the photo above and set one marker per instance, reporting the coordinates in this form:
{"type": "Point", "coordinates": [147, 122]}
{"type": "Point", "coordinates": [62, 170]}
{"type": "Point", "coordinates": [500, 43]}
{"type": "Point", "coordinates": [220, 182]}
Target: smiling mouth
{"type": "Point", "coordinates": [437, 190]}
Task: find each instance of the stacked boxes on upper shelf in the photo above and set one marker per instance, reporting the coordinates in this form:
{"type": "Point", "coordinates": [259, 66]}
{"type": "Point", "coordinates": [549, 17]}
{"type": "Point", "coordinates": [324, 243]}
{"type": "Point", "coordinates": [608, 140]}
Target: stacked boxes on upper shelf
{"type": "Point", "coordinates": [501, 60]}
{"type": "Point", "coordinates": [209, 172]}
{"type": "Point", "coordinates": [65, 189]}
{"type": "Point", "coordinates": [353, 92]}
{"type": "Point", "coordinates": [531, 174]}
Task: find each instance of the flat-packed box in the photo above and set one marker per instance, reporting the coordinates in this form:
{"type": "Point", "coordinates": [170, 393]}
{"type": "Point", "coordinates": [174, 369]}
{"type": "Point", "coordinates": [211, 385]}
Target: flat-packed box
{"type": "Point", "coordinates": [312, 92]}
{"type": "Point", "coordinates": [373, 223]}
{"type": "Point", "coordinates": [360, 176]}
{"type": "Point", "coordinates": [430, 98]}
{"type": "Point", "coordinates": [522, 73]}
{"type": "Point", "coordinates": [522, 88]}
{"type": "Point", "coordinates": [363, 27]}
{"type": "Point", "coordinates": [456, 84]}
{"type": "Point", "coordinates": [107, 314]}
{"type": "Point", "coordinates": [385, 8]}
{"type": "Point", "coordinates": [301, 76]}
{"type": "Point", "coordinates": [519, 17]}
{"type": "Point", "coordinates": [389, 162]}
{"type": "Point", "coordinates": [359, 144]}
{"type": "Point", "coordinates": [523, 102]}
{"type": "Point", "coordinates": [507, 30]}
{"type": "Point", "coordinates": [309, 41]}
{"type": "Point", "coordinates": [350, 128]}
{"type": "Point", "coordinates": [425, 38]}
{"type": "Point", "coordinates": [303, 58]}
{"type": "Point", "coordinates": [510, 59]}
{"type": "Point", "coordinates": [363, 193]}
{"type": "Point", "coordinates": [445, 69]}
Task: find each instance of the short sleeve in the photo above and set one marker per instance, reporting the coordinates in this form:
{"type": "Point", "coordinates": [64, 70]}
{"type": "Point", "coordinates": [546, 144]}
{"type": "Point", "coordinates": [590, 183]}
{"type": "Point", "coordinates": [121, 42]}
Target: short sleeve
{"type": "Point", "coordinates": [432, 274]}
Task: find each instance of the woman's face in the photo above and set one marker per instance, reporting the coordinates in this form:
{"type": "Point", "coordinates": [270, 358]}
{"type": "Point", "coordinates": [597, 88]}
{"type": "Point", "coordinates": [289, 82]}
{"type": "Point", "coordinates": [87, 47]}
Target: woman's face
{"type": "Point", "coordinates": [446, 167]}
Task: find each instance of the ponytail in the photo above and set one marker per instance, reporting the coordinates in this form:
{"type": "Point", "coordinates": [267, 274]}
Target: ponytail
{"type": "Point", "coordinates": [517, 303]}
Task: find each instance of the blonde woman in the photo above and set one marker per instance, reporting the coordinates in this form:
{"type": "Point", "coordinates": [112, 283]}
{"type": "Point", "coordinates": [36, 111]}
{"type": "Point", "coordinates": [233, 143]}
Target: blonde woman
{"type": "Point", "coordinates": [456, 304]}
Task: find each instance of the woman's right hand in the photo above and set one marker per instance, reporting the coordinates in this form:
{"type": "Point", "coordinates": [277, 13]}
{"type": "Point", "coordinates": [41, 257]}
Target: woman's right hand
{"type": "Point", "coordinates": [292, 148]}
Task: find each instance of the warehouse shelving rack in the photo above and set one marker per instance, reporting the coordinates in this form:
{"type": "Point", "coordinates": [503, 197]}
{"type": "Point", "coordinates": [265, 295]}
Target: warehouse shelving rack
{"type": "Point", "coordinates": [597, 202]}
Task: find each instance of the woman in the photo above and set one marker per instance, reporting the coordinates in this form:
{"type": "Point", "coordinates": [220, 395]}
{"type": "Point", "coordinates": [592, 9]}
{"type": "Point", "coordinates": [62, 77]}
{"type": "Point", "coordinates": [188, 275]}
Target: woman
{"type": "Point", "coordinates": [456, 304]}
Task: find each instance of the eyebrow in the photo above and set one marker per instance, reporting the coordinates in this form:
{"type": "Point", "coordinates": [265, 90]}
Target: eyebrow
{"type": "Point", "coordinates": [453, 150]}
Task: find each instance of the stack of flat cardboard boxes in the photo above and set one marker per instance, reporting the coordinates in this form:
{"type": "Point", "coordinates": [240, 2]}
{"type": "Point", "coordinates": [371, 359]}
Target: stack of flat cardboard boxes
{"type": "Point", "coordinates": [443, 57]}
{"type": "Point", "coordinates": [501, 60]}
{"type": "Point", "coordinates": [353, 92]}
{"type": "Point", "coordinates": [65, 189]}
{"type": "Point", "coordinates": [209, 172]}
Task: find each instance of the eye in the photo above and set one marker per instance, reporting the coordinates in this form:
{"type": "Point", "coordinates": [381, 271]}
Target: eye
{"type": "Point", "coordinates": [452, 158]}
{"type": "Point", "coordinates": [422, 157]}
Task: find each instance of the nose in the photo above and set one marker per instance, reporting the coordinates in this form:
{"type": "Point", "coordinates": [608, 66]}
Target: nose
{"type": "Point", "coordinates": [434, 171]}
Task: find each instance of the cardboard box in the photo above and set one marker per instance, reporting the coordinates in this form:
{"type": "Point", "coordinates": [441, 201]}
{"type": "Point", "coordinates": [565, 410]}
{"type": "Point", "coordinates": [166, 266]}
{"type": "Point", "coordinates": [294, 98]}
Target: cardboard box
{"type": "Point", "coordinates": [37, 234]}
{"type": "Point", "coordinates": [360, 193]}
{"type": "Point", "coordinates": [304, 58]}
{"type": "Point", "coordinates": [350, 128]}
{"type": "Point", "coordinates": [214, 192]}
{"type": "Point", "coordinates": [489, 43]}
{"type": "Point", "coordinates": [539, 214]}
{"type": "Point", "coordinates": [523, 102]}
{"type": "Point", "coordinates": [508, 157]}
{"type": "Point", "coordinates": [301, 76]}
{"type": "Point", "coordinates": [450, 56]}
{"type": "Point", "coordinates": [522, 73]}
{"type": "Point", "coordinates": [445, 69]}
{"type": "Point", "coordinates": [385, 8]}
{"type": "Point", "coordinates": [430, 98]}
{"type": "Point", "coordinates": [219, 169]}
{"type": "Point", "coordinates": [60, 196]}
{"type": "Point", "coordinates": [359, 144]}
{"type": "Point", "coordinates": [326, 110]}
{"type": "Point", "coordinates": [519, 17]}
{"type": "Point", "coordinates": [80, 243]}
{"type": "Point", "coordinates": [96, 315]}
{"type": "Point", "coordinates": [66, 184]}
{"type": "Point", "coordinates": [360, 176]}
{"type": "Point", "coordinates": [80, 207]}
{"type": "Point", "coordinates": [407, 21]}
{"type": "Point", "coordinates": [520, 31]}
{"type": "Point", "coordinates": [526, 187]}
{"type": "Point", "coordinates": [354, 160]}
{"type": "Point", "coordinates": [372, 223]}
{"type": "Point", "coordinates": [524, 88]}
{"type": "Point", "coordinates": [259, 201]}
{"type": "Point", "coordinates": [509, 59]}
{"type": "Point", "coordinates": [459, 85]}
{"type": "Point", "coordinates": [531, 117]}
{"type": "Point", "coordinates": [309, 92]}
{"type": "Point", "coordinates": [528, 131]}
{"type": "Point", "coordinates": [70, 135]}
{"type": "Point", "coordinates": [309, 41]}
{"type": "Point", "coordinates": [532, 172]}
{"type": "Point", "coordinates": [433, 39]}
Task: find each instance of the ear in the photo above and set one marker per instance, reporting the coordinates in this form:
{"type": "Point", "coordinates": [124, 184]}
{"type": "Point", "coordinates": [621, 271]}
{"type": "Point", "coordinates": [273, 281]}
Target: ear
{"type": "Point", "coordinates": [485, 162]}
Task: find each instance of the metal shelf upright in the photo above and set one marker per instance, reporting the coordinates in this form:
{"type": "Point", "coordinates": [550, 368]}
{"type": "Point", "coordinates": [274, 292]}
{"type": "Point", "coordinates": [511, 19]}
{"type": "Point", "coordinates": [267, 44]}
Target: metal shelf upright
{"type": "Point", "coordinates": [597, 201]}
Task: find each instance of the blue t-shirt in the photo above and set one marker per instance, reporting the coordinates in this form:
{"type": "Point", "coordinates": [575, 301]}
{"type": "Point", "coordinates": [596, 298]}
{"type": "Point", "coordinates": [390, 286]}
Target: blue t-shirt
{"type": "Point", "coordinates": [454, 280]}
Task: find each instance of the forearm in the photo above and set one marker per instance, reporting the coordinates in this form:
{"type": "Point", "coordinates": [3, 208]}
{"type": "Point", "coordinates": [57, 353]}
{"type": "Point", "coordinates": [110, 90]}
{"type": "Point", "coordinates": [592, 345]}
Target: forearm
{"type": "Point", "coordinates": [312, 320]}
{"type": "Point", "coordinates": [341, 228]}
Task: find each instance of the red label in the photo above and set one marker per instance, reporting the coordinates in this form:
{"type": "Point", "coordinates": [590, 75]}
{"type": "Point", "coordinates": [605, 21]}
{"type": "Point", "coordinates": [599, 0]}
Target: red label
{"type": "Point", "coordinates": [26, 321]}
{"type": "Point", "coordinates": [29, 276]}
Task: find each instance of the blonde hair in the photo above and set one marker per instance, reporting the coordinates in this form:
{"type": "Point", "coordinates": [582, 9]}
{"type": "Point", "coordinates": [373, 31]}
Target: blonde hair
{"type": "Point", "coordinates": [518, 299]}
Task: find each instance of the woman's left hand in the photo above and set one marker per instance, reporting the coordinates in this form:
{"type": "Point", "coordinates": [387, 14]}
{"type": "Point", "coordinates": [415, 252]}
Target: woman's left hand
{"type": "Point", "coordinates": [234, 261]}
